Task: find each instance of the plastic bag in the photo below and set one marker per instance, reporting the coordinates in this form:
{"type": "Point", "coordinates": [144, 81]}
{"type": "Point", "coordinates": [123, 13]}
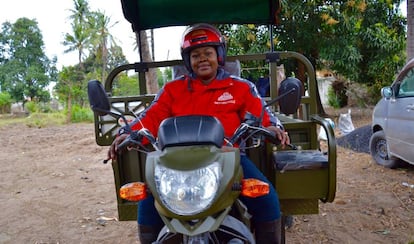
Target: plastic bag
{"type": "Point", "coordinates": [345, 124]}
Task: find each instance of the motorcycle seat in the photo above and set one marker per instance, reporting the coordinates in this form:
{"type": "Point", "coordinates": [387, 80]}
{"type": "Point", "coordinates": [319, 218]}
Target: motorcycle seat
{"type": "Point", "coordinates": [190, 130]}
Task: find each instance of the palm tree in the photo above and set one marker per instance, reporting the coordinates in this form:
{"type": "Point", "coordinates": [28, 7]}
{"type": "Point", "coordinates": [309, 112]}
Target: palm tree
{"type": "Point", "coordinates": [80, 11]}
{"type": "Point", "coordinates": [102, 38]}
{"type": "Point", "coordinates": [79, 39]}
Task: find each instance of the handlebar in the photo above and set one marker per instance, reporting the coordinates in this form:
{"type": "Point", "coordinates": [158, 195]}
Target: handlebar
{"type": "Point", "coordinates": [134, 138]}
{"type": "Point", "coordinates": [246, 131]}
{"type": "Point", "coordinates": [251, 128]}
{"type": "Point", "coordinates": [267, 134]}
{"type": "Point", "coordinates": [271, 136]}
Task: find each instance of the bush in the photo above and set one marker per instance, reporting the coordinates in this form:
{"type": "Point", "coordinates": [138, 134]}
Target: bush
{"type": "Point", "coordinates": [5, 102]}
{"type": "Point", "coordinates": [31, 107]}
{"type": "Point", "coordinates": [337, 97]}
{"type": "Point", "coordinates": [80, 114]}
{"type": "Point", "coordinates": [333, 99]}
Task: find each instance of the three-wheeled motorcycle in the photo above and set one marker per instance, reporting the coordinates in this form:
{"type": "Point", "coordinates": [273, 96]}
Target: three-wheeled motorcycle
{"type": "Point", "coordinates": [304, 175]}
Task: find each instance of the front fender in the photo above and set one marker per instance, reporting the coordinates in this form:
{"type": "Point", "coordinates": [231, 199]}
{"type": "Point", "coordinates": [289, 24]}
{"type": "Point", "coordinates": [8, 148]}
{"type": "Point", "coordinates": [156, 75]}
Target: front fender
{"type": "Point", "coordinates": [229, 224]}
{"type": "Point", "coordinates": [379, 115]}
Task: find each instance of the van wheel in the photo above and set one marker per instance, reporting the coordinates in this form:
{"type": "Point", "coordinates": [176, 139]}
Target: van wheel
{"type": "Point", "coordinates": [379, 151]}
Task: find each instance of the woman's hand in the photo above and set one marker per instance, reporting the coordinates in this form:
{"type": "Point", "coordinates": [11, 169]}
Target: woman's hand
{"type": "Point", "coordinates": [112, 151]}
{"type": "Point", "coordinates": [281, 135]}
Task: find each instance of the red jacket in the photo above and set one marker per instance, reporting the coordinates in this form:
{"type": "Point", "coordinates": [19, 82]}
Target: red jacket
{"type": "Point", "coordinates": [228, 98]}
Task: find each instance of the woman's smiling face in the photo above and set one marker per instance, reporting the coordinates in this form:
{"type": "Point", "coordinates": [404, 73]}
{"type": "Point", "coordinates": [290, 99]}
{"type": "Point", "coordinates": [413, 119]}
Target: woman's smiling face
{"type": "Point", "coordinates": [204, 63]}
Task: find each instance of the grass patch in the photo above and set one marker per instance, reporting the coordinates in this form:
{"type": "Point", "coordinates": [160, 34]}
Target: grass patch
{"type": "Point", "coordinates": [40, 120]}
{"type": "Point", "coordinates": [6, 120]}
{"type": "Point", "coordinates": [37, 120]}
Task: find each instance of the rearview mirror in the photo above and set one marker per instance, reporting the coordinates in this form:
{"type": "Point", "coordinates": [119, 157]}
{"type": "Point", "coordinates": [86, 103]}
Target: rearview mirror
{"type": "Point", "coordinates": [386, 92]}
{"type": "Point", "coordinates": [290, 90]}
{"type": "Point", "coordinates": [97, 98]}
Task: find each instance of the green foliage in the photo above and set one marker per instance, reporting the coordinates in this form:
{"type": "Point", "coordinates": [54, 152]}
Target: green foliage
{"type": "Point", "coordinates": [244, 39]}
{"type": "Point", "coordinates": [337, 95]}
{"type": "Point", "coordinates": [71, 86]}
{"type": "Point", "coordinates": [374, 91]}
{"type": "Point", "coordinates": [81, 114]}
{"type": "Point", "coordinates": [5, 102]}
{"type": "Point", "coordinates": [97, 51]}
{"type": "Point", "coordinates": [79, 39]}
{"type": "Point", "coordinates": [36, 107]}
{"type": "Point", "coordinates": [32, 107]}
{"type": "Point", "coordinates": [25, 71]}
{"type": "Point", "coordinates": [301, 26]}
{"type": "Point", "coordinates": [125, 85]}
{"type": "Point", "coordinates": [41, 120]}
{"type": "Point", "coordinates": [363, 40]}
{"type": "Point", "coordinates": [164, 75]}
{"type": "Point", "coordinates": [248, 39]}
{"type": "Point", "coordinates": [11, 120]}
{"type": "Point", "coordinates": [5, 99]}
{"type": "Point", "coordinates": [36, 120]}
{"type": "Point", "coordinates": [333, 98]}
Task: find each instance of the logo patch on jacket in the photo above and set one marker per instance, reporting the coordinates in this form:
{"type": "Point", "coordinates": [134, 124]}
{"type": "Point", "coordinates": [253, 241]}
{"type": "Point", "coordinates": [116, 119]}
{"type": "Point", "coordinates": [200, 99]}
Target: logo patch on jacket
{"type": "Point", "coordinates": [225, 98]}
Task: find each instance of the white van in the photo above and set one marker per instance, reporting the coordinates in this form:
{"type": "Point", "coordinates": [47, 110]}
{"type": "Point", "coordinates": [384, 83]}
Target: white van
{"type": "Point", "coordinates": [393, 121]}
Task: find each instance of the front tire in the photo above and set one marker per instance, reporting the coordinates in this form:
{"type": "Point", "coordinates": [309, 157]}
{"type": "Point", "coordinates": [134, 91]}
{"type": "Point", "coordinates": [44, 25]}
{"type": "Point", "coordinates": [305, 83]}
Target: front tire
{"type": "Point", "coordinates": [379, 151]}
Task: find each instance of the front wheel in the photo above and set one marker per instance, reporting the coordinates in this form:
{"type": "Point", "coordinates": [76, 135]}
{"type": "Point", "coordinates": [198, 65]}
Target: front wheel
{"type": "Point", "coordinates": [379, 151]}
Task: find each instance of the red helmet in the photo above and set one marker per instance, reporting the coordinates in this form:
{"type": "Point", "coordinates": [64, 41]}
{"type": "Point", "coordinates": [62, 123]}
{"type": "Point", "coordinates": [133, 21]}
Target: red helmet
{"type": "Point", "coordinates": [201, 35]}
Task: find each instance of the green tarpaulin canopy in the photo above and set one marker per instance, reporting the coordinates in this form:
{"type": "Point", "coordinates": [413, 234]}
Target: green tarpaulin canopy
{"type": "Point", "coordinates": [150, 14]}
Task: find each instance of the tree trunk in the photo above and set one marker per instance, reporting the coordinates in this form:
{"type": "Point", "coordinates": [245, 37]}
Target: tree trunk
{"type": "Point", "coordinates": [69, 115]}
{"type": "Point", "coordinates": [80, 59]}
{"type": "Point", "coordinates": [410, 29]}
{"type": "Point", "coordinates": [151, 75]}
{"type": "Point", "coordinates": [104, 50]}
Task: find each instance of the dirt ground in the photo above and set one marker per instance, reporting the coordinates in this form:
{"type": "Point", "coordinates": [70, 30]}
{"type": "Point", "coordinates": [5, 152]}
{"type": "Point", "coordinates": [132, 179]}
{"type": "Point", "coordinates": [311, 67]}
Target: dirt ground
{"type": "Point", "coordinates": [55, 189]}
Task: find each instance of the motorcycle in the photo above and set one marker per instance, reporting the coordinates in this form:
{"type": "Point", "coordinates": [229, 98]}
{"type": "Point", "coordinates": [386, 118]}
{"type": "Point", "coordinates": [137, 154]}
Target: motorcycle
{"type": "Point", "coordinates": [193, 171]}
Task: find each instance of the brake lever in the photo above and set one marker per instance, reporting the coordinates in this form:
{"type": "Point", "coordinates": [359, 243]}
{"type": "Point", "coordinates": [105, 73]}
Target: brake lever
{"type": "Point", "coordinates": [293, 147]}
{"type": "Point", "coordinates": [133, 138]}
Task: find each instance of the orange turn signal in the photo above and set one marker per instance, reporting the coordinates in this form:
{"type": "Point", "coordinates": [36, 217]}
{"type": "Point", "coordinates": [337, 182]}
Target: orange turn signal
{"type": "Point", "coordinates": [254, 188]}
{"type": "Point", "coordinates": [134, 191]}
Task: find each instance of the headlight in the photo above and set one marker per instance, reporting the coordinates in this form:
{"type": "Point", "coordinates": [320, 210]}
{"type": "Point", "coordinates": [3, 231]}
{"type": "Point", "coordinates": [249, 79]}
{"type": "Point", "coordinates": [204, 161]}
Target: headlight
{"type": "Point", "coordinates": [187, 192]}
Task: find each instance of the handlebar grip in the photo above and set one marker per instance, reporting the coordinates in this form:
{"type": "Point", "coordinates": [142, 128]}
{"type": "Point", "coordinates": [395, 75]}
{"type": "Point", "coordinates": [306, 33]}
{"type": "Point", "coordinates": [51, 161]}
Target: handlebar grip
{"type": "Point", "coordinates": [272, 137]}
{"type": "Point", "coordinates": [123, 145]}
{"type": "Point", "coordinates": [133, 138]}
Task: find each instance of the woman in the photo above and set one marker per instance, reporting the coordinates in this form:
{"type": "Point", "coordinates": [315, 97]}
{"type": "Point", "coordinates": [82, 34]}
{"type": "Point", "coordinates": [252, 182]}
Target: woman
{"type": "Point", "coordinates": [209, 90]}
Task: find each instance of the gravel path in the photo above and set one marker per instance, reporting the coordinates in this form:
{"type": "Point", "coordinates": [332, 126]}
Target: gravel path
{"type": "Point", "coordinates": [357, 140]}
